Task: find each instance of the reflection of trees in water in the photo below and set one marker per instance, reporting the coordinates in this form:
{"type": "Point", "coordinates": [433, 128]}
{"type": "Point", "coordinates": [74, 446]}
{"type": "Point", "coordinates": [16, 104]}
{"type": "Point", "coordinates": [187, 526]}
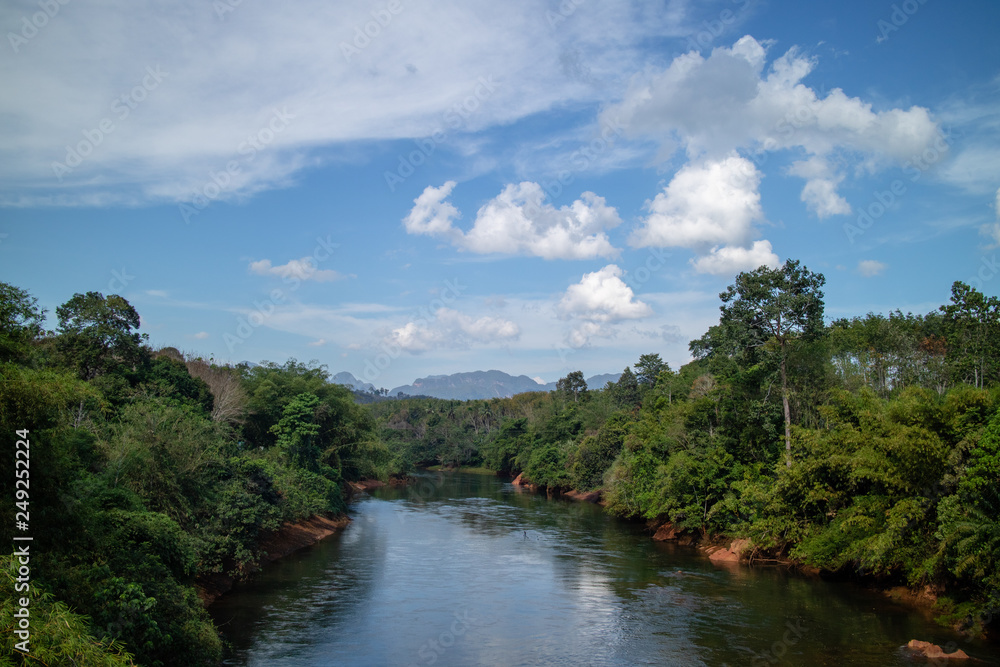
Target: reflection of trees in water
{"type": "Point", "coordinates": [658, 602]}
{"type": "Point", "coordinates": [319, 588]}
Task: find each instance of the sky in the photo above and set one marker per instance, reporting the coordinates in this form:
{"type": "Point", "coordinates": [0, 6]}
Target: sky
{"type": "Point", "coordinates": [407, 188]}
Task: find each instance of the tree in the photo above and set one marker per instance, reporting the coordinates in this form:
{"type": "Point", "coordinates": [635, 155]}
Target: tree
{"type": "Point", "coordinates": [20, 321]}
{"type": "Point", "coordinates": [573, 384]}
{"type": "Point", "coordinates": [626, 391]}
{"type": "Point", "coordinates": [297, 430]}
{"type": "Point", "coordinates": [974, 321]}
{"type": "Point", "coordinates": [96, 333]}
{"type": "Point", "coordinates": [648, 370]}
{"type": "Point", "coordinates": [772, 306]}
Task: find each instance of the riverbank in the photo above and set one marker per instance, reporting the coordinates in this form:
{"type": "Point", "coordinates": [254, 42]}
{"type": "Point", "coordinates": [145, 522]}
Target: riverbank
{"type": "Point", "coordinates": [286, 540]}
{"type": "Point", "coordinates": [726, 550]}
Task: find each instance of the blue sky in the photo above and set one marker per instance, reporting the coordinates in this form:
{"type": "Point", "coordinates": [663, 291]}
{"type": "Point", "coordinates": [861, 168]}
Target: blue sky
{"type": "Point", "coordinates": [406, 188]}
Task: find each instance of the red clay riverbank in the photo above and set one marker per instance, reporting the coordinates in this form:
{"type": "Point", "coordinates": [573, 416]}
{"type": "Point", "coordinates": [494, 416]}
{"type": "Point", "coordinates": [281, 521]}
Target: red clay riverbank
{"type": "Point", "coordinates": [289, 538]}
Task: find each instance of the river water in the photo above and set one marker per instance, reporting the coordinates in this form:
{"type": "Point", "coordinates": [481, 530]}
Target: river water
{"type": "Point", "coordinates": [463, 569]}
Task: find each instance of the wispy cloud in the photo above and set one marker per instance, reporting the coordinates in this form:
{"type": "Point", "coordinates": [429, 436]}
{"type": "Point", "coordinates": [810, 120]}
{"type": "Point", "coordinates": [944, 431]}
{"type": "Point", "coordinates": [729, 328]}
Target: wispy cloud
{"type": "Point", "coordinates": [301, 269]}
{"type": "Point", "coordinates": [266, 57]}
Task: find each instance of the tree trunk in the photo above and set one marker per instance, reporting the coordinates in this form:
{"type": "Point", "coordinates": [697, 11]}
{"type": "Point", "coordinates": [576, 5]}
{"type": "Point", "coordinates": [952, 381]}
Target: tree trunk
{"type": "Point", "coordinates": [788, 415]}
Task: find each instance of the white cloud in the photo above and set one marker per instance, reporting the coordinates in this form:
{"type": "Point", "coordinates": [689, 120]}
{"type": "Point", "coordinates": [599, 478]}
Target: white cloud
{"type": "Point", "coordinates": [820, 190]}
{"type": "Point", "coordinates": [729, 260]}
{"type": "Point", "coordinates": [301, 269]}
{"type": "Point", "coordinates": [602, 296]}
{"type": "Point", "coordinates": [234, 70]}
{"type": "Point", "coordinates": [450, 329]}
{"type": "Point", "coordinates": [707, 204]}
{"type": "Point", "coordinates": [711, 208]}
{"type": "Point", "coordinates": [727, 101]}
{"type": "Point", "coordinates": [432, 215]}
{"type": "Point", "coordinates": [519, 221]}
{"type": "Point", "coordinates": [201, 335]}
{"type": "Point", "coordinates": [318, 343]}
{"type": "Point", "coordinates": [870, 267]}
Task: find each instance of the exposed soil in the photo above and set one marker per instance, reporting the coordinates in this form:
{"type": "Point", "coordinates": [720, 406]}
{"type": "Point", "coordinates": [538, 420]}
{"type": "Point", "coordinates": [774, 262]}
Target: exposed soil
{"type": "Point", "coordinates": [289, 538]}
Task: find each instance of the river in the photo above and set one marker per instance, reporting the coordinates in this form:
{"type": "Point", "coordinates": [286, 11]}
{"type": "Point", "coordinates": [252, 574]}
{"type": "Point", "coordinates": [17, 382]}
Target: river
{"type": "Point", "coordinates": [464, 569]}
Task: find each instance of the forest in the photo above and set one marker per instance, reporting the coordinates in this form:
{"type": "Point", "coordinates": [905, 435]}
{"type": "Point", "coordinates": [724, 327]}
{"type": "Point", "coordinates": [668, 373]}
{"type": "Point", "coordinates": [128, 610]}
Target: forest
{"type": "Point", "coordinates": [148, 471]}
{"type": "Point", "coordinates": [866, 447]}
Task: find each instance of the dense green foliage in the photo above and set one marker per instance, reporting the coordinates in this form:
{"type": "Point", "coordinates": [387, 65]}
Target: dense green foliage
{"type": "Point", "coordinates": [885, 462]}
{"type": "Point", "coordinates": [865, 446]}
{"type": "Point", "coordinates": [148, 471]}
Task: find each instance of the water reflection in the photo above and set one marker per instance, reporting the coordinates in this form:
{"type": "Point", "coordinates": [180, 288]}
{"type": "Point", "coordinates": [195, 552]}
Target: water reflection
{"type": "Point", "coordinates": [465, 570]}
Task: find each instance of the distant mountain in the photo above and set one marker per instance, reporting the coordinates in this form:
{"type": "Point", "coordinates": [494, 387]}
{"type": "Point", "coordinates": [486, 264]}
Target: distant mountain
{"type": "Point", "coordinates": [598, 381]}
{"type": "Point", "coordinates": [354, 383]}
{"type": "Point", "coordinates": [484, 384]}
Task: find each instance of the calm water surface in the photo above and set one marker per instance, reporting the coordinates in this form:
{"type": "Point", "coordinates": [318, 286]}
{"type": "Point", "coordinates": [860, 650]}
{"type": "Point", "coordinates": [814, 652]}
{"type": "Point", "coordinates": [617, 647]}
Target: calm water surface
{"type": "Point", "coordinates": [462, 569]}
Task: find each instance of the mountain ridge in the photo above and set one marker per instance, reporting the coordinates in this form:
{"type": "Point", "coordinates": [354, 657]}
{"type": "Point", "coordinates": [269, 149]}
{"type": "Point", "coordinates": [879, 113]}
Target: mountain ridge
{"type": "Point", "coordinates": [470, 385]}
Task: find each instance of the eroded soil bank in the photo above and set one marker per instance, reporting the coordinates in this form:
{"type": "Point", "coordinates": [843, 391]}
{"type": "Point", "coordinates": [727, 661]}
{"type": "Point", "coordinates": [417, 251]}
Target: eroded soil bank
{"type": "Point", "coordinates": [289, 538]}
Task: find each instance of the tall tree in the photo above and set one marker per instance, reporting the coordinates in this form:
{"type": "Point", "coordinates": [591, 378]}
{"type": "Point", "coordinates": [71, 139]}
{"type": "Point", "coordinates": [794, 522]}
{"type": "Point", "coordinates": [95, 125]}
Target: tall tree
{"type": "Point", "coordinates": [20, 321]}
{"type": "Point", "coordinates": [96, 333]}
{"type": "Point", "coordinates": [572, 384]}
{"type": "Point", "coordinates": [625, 392]}
{"type": "Point", "coordinates": [974, 322]}
{"type": "Point", "coordinates": [648, 369]}
{"type": "Point", "coordinates": [777, 306]}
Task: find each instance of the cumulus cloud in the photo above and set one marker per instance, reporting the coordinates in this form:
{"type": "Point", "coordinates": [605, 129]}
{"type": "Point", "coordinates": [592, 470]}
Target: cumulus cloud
{"type": "Point", "coordinates": [201, 335]}
{"type": "Point", "coordinates": [301, 269]}
{"type": "Point", "coordinates": [519, 221]}
{"type": "Point", "coordinates": [451, 328]}
{"type": "Point", "coordinates": [431, 214]}
{"type": "Point", "coordinates": [820, 190]}
{"type": "Point", "coordinates": [600, 300]}
{"type": "Point", "coordinates": [704, 205]}
{"type": "Point", "coordinates": [729, 260]}
{"type": "Point", "coordinates": [602, 296]}
{"type": "Point", "coordinates": [710, 208]}
{"type": "Point", "coordinates": [728, 101]}
{"type": "Point", "coordinates": [870, 268]}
